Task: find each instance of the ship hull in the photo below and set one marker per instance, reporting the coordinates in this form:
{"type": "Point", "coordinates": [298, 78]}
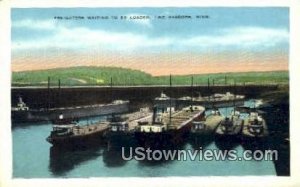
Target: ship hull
{"type": "Point", "coordinates": [120, 139]}
{"type": "Point", "coordinates": [68, 113]}
{"type": "Point", "coordinates": [174, 135]}
{"type": "Point", "coordinates": [167, 139]}
{"type": "Point", "coordinates": [248, 136]}
{"type": "Point", "coordinates": [228, 140]}
{"type": "Point", "coordinates": [77, 142]}
{"type": "Point", "coordinates": [206, 104]}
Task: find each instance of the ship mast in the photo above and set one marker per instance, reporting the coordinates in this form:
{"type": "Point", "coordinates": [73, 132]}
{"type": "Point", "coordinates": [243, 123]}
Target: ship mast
{"type": "Point", "coordinates": [213, 102]}
{"type": "Point", "coordinates": [170, 109]}
{"type": "Point", "coordinates": [59, 93]}
{"type": "Point", "coordinates": [234, 97]}
{"type": "Point", "coordinates": [192, 90]}
{"type": "Point", "coordinates": [208, 88]}
{"type": "Point", "coordinates": [111, 89]}
{"type": "Point", "coordinates": [48, 90]}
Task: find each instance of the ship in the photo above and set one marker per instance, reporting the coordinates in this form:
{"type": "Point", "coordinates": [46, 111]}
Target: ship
{"type": "Point", "coordinates": [255, 126]}
{"type": "Point", "coordinates": [208, 125]}
{"type": "Point", "coordinates": [230, 126]}
{"type": "Point", "coordinates": [23, 113]}
{"type": "Point", "coordinates": [73, 135]}
{"type": "Point", "coordinates": [164, 101]}
{"type": "Point", "coordinates": [217, 100]}
{"type": "Point", "coordinates": [121, 128]}
{"type": "Point", "coordinates": [202, 130]}
{"type": "Point", "coordinates": [168, 128]}
{"type": "Point", "coordinates": [227, 134]}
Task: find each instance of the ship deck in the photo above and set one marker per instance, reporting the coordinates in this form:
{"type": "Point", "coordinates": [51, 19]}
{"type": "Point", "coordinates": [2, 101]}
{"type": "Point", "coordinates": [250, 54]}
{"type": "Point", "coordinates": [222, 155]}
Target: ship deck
{"type": "Point", "coordinates": [90, 129]}
{"type": "Point", "coordinates": [134, 118]}
{"type": "Point", "coordinates": [212, 122]}
{"type": "Point", "coordinates": [246, 133]}
{"type": "Point", "coordinates": [182, 118]}
{"type": "Point", "coordinates": [236, 129]}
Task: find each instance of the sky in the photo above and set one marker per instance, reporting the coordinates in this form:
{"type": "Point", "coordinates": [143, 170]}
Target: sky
{"type": "Point", "coordinates": [219, 40]}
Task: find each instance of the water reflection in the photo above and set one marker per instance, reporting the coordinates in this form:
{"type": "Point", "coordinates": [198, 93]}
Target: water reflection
{"type": "Point", "coordinates": [63, 160]}
{"type": "Point", "coordinates": [226, 142]}
{"type": "Point", "coordinates": [203, 141]}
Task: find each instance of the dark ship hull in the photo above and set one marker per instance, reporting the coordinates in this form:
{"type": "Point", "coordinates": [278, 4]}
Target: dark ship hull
{"type": "Point", "coordinates": [77, 136]}
{"type": "Point", "coordinates": [167, 139]}
{"type": "Point", "coordinates": [69, 112]}
{"type": "Point", "coordinates": [118, 139]}
{"type": "Point", "coordinates": [180, 103]}
{"type": "Point", "coordinates": [228, 139]}
{"type": "Point", "coordinates": [77, 141]}
{"type": "Point", "coordinates": [174, 136]}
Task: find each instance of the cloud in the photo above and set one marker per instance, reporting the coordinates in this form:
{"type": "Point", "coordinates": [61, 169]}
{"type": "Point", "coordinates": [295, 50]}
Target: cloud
{"type": "Point", "coordinates": [35, 24]}
{"type": "Point", "coordinates": [241, 37]}
{"type": "Point", "coordinates": [82, 38]}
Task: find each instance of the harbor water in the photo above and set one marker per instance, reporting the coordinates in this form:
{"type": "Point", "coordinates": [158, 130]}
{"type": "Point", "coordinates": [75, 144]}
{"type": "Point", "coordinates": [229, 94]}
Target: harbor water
{"type": "Point", "coordinates": [34, 157]}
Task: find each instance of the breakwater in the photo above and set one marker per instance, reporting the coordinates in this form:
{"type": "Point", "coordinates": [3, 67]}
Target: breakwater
{"type": "Point", "coordinates": [37, 97]}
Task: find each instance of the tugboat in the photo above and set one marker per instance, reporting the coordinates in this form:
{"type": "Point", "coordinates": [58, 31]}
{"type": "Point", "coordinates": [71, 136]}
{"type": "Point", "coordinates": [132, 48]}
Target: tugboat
{"type": "Point", "coordinates": [168, 129]}
{"type": "Point", "coordinates": [74, 135]}
{"type": "Point", "coordinates": [22, 113]}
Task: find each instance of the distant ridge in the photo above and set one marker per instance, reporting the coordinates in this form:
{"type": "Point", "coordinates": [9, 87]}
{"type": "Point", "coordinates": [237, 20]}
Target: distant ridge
{"type": "Point", "coordinates": [89, 75]}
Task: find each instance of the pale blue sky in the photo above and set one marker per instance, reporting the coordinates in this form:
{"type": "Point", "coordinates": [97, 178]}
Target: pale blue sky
{"type": "Point", "coordinates": [251, 29]}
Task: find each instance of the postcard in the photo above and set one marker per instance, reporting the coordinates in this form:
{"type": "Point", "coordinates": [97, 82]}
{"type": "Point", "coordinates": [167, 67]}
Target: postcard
{"type": "Point", "coordinates": [152, 92]}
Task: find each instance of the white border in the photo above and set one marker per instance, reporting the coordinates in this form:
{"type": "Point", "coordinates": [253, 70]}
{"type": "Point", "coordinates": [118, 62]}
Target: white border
{"type": "Point", "coordinates": [5, 75]}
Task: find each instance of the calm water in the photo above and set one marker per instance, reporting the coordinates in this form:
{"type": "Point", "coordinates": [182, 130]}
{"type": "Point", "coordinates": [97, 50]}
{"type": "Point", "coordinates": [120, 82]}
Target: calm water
{"type": "Point", "coordinates": [33, 157]}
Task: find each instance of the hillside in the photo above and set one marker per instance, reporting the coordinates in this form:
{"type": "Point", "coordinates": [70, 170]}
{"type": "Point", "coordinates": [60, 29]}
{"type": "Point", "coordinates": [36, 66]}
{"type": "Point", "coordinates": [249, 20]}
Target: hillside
{"type": "Point", "coordinates": [76, 76]}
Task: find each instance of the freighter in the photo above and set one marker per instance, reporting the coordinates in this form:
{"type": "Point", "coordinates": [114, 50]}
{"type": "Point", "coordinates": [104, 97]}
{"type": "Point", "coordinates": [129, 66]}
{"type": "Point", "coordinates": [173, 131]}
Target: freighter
{"type": "Point", "coordinates": [168, 129]}
{"type": "Point", "coordinates": [202, 131]}
{"type": "Point", "coordinates": [229, 130]}
{"type": "Point", "coordinates": [208, 125]}
{"type": "Point", "coordinates": [217, 100]}
{"type": "Point", "coordinates": [121, 128]}
{"type": "Point", "coordinates": [230, 126]}
{"type": "Point", "coordinates": [22, 113]}
{"type": "Point", "coordinates": [255, 126]}
{"type": "Point", "coordinates": [116, 129]}
{"type": "Point", "coordinates": [76, 136]}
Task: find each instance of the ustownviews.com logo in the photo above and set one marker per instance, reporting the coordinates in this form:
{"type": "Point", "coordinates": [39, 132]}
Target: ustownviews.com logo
{"type": "Point", "coordinates": [141, 153]}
